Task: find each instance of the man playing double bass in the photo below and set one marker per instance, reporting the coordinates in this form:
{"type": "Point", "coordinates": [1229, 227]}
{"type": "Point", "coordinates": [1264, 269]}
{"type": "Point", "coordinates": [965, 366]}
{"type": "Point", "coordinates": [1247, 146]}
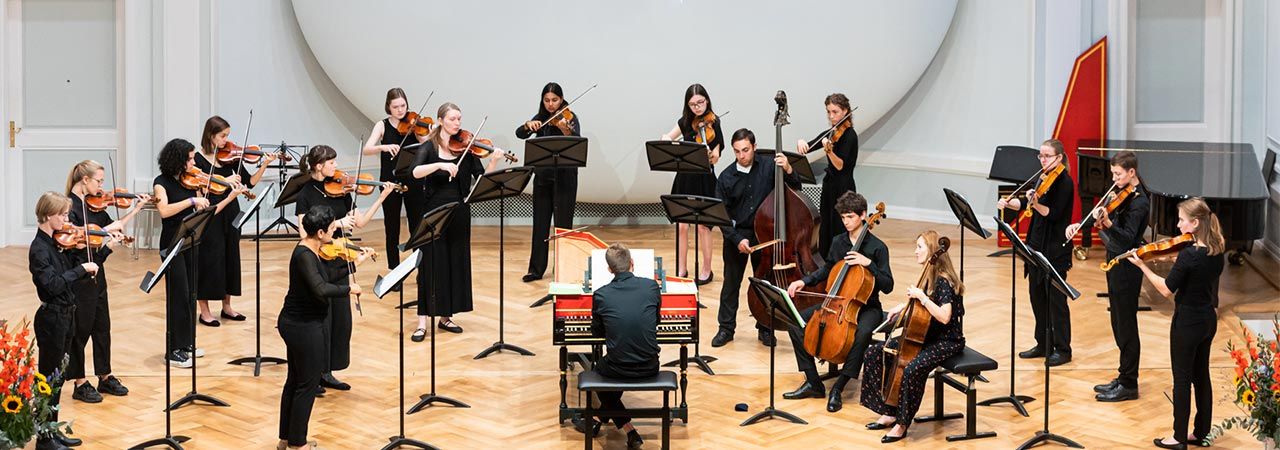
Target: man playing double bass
{"type": "Point", "coordinates": [873, 255]}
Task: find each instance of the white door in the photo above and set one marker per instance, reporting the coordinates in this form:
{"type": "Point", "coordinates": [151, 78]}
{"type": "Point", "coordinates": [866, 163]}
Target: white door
{"type": "Point", "coordinates": [61, 98]}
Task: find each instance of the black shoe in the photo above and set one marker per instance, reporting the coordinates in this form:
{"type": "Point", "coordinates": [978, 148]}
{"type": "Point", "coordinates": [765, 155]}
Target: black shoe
{"type": "Point", "coordinates": [450, 327]}
{"type": "Point", "coordinates": [320, 391]}
{"type": "Point", "coordinates": [1106, 387]}
{"type": "Point", "coordinates": [881, 426]}
{"type": "Point", "coordinates": [530, 277]}
{"type": "Point", "coordinates": [722, 337]}
{"type": "Point", "coordinates": [834, 401]}
{"type": "Point", "coordinates": [1198, 442]}
{"type": "Point", "coordinates": [179, 359]}
{"type": "Point", "coordinates": [580, 424]}
{"type": "Point", "coordinates": [1178, 446]}
{"type": "Point", "coordinates": [1033, 352]}
{"type": "Point", "coordinates": [238, 317]}
{"type": "Point", "coordinates": [1119, 394]}
{"type": "Point", "coordinates": [66, 440]}
{"type": "Point", "coordinates": [766, 337]}
{"type": "Point", "coordinates": [1058, 359]}
{"type": "Point", "coordinates": [86, 393]}
{"type": "Point", "coordinates": [111, 385]}
{"type": "Point", "coordinates": [806, 390]}
{"type": "Point", "coordinates": [49, 444]}
{"type": "Point", "coordinates": [419, 335]}
{"type": "Point", "coordinates": [212, 323]}
{"type": "Point", "coordinates": [327, 380]}
{"type": "Point", "coordinates": [887, 439]}
{"type": "Point", "coordinates": [710, 277]}
{"type": "Point", "coordinates": [633, 439]}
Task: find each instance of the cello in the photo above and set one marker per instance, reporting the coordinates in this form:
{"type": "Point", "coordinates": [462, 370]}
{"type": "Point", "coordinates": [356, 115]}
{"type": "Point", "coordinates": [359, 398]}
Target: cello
{"type": "Point", "coordinates": [914, 320]}
{"type": "Point", "coordinates": [829, 334]}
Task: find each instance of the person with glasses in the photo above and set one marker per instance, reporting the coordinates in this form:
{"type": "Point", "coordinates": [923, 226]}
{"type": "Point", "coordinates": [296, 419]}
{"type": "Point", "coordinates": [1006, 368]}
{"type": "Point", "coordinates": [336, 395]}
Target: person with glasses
{"type": "Point", "coordinates": [693, 126]}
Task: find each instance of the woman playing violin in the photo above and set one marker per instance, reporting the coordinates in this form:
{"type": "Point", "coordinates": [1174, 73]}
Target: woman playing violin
{"type": "Point", "coordinates": [320, 164]}
{"type": "Point", "coordinates": [93, 315]}
{"type": "Point", "coordinates": [696, 125]}
{"type": "Point", "coordinates": [555, 191]}
{"type": "Point", "coordinates": [1194, 280]}
{"type": "Point", "coordinates": [841, 148]}
{"type": "Point", "coordinates": [385, 140]}
{"type": "Point", "coordinates": [220, 247]}
{"type": "Point", "coordinates": [943, 297]}
{"type": "Point", "coordinates": [445, 272]}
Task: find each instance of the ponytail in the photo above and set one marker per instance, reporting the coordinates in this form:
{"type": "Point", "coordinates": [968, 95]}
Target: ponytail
{"type": "Point", "coordinates": [82, 169]}
{"type": "Point", "coordinates": [1209, 233]}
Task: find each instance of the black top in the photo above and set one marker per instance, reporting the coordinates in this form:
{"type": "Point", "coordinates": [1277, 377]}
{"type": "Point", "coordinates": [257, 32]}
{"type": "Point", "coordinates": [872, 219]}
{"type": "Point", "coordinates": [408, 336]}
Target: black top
{"type": "Point", "coordinates": [1048, 233]}
{"type": "Point", "coordinates": [233, 208]}
{"type": "Point", "coordinates": [1194, 278]}
{"type": "Point", "coordinates": [846, 149]}
{"type": "Point", "coordinates": [743, 192]}
{"type": "Point", "coordinates": [312, 194]}
{"type": "Point", "coordinates": [690, 134]}
{"type": "Point", "coordinates": [102, 219]}
{"type": "Point", "coordinates": [873, 248]}
{"type": "Point", "coordinates": [53, 271]}
{"type": "Point", "coordinates": [392, 136]}
{"type": "Point", "coordinates": [176, 193]}
{"type": "Point", "coordinates": [953, 330]}
{"type": "Point", "coordinates": [309, 289]}
{"type": "Point", "coordinates": [626, 311]}
{"type": "Point", "coordinates": [1127, 223]}
{"type": "Point", "coordinates": [549, 129]}
{"type": "Point", "coordinates": [438, 187]}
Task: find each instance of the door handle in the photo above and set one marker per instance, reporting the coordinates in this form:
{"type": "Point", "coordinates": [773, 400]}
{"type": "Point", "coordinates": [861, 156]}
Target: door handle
{"type": "Point", "coordinates": [13, 133]}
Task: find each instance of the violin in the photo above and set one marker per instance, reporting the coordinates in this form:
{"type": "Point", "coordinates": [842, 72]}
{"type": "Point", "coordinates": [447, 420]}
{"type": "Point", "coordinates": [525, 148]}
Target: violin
{"type": "Point", "coordinates": [1046, 182]}
{"type": "Point", "coordinates": [830, 332]}
{"type": "Point", "coordinates": [72, 236]}
{"type": "Point", "coordinates": [1111, 201]}
{"type": "Point", "coordinates": [230, 153]}
{"type": "Point", "coordinates": [120, 198]}
{"type": "Point", "coordinates": [197, 180]}
{"type": "Point", "coordinates": [342, 183]}
{"type": "Point", "coordinates": [704, 125]}
{"type": "Point", "coordinates": [840, 129]}
{"type": "Point", "coordinates": [481, 147]}
{"type": "Point", "coordinates": [914, 320]}
{"type": "Point", "coordinates": [412, 122]}
{"type": "Point", "coordinates": [344, 249]}
{"type": "Point", "coordinates": [1153, 250]}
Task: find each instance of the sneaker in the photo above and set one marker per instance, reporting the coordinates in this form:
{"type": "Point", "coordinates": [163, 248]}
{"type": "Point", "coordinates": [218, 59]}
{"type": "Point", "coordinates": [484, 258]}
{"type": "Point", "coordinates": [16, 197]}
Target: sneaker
{"type": "Point", "coordinates": [111, 385]}
{"type": "Point", "coordinates": [179, 359]}
{"type": "Point", "coordinates": [86, 393]}
{"type": "Point", "coordinates": [199, 352]}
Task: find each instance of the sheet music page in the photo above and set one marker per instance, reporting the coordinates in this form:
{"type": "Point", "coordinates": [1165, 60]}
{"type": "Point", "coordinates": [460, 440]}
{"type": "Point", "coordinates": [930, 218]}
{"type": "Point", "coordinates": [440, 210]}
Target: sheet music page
{"type": "Point", "coordinates": [600, 276]}
{"type": "Point", "coordinates": [399, 273]}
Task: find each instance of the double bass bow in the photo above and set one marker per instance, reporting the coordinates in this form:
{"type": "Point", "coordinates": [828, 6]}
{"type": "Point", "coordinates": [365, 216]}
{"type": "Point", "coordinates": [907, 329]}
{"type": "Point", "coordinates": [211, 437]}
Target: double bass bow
{"type": "Point", "coordinates": [830, 332]}
{"type": "Point", "coordinates": [914, 321]}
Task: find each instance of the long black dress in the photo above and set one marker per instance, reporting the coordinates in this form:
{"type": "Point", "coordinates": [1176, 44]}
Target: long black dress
{"type": "Point", "coordinates": [411, 199]}
{"type": "Point", "coordinates": [220, 246]}
{"type": "Point", "coordinates": [555, 192]}
{"type": "Point", "coordinates": [337, 326]}
{"type": "Point", "coordinates": [703, 184]}
{"type": "Point", "coordinates": [446, 262]}
{"type": "Point", "coordinates": [834, 184]}
{"type": "Point", "coordinates": [177, 280]}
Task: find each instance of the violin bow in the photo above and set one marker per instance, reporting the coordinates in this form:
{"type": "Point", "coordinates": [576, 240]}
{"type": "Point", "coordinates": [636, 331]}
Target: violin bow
{"type": "Point", "coordinates": [827, 133]}
{"type": "Point", "coordinates": [566, 106]}
{"type": "Point", "coordinates": [112, 162]}
{"type": "Point", "coordinates": [244, 146]}
{"type": "Point", "coordinates": [1101, 201]}
{"type": "Point", "coordinates": [467, 150]}
{"type": "Point", "coordinates": [351, 265]}
{"type": "Point", "coordinates": [420, 108]}
{"type": "Point", "coordinates": [84, 220]}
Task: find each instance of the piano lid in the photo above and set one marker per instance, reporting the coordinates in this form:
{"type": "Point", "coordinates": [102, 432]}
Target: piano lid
{"type": "Point", "coordinates": [1192, 169]}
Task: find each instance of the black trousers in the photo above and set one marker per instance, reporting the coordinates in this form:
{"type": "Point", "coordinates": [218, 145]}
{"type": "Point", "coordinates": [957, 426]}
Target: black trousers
{"type": "Point", "coordinates": [555, 192]}
{"type": "Point", "coordinates": [613, 400]}
{"type": "Point", "coordinates": [1046, 299]}
{"type": "Point", "coordinates": [869, 317]}
{"type": "Point", "coordinates": [55, 332]}
{"type": "Point", "coordinates": [1190, 342]}
{"type": "Point", "coordinates": [305, 350]}
{"type": "Point", "coordinates": [180, 303]}
{"type": "Point", "coordinates": [735, 266]}
{"type": "Point", "coordinates": [415, 207]}
{"type": "Point", "coordinates": [93, 320]}
{"type": "Point", "coordinates": [1124, 283]}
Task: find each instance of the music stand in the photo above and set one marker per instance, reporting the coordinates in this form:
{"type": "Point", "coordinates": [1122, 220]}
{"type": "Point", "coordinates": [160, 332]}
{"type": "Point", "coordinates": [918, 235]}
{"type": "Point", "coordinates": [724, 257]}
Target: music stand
{"type": "Point", "coordinates": [696, 210]}
{"type": "Point", "coordinates": [1057, 282]}
{"type": "Point", "coordinates": [193, 226]}
{"type": "Point", "coordinates": [778, 301]}
{"type": "Point", "coordinates": [257, 359]}
{"type": "Point", "coordinates": [498, 185]}
{"type": "Point", "coordinates": [1013, 164]}
{"type": "Point", "coordinates": [681, 157]}
{"type": "Point", "coordinates": [800, 165]}
{"type": "Point", "coordinates": [556, 152]}
{"type": "Point", "coordinates": [429, 229]}
{"type": "Point", "coordinates": [395, 280]}
{"type": "Point", "coordinates": [283, 219]}
{"type": "Point", "coordinates": [1019, 248]}
{"type": "Point", "coordinates": [965, 216]}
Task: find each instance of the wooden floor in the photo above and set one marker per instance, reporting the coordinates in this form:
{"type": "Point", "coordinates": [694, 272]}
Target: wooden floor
{"type": "Point", "coordinates": [514, 398]}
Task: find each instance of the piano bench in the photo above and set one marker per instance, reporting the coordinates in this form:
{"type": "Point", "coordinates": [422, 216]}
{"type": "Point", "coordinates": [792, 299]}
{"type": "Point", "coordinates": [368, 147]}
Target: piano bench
{"type": "Point", "coordinates": [665, 382]}
{"type": "Point", "coordinates": [971, 364]}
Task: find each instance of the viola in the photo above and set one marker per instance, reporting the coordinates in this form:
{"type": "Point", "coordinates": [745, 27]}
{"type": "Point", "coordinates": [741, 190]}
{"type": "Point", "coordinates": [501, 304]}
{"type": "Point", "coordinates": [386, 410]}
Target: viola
{"type": "Point", "coordinates": [198, 180]}
{"type": "Point", "coordinates": [412, 122]}
{"type": "Point", "coordinates": [120, 198]}
{"type": "Point", "coordinates": [231, 153]}
{"type": "Point", "coordinates": [72, 236]}
{"type": "Point", "coordinates": [1165, 247]}
{"type": "Point", "coordinates": [344, 249]}
{"type": "Point", "coordinates": [830, 332]}
{"type": "Point", "coordinates": [342, 183]}
{"type": "Point", "coordinates": [481, 147]}
{"type": "Point", "coordinates": [914, 320]}
{"type": "Point", "coordinates": [1046, 182]}
{"type": "Point", "coordinates": [704, 127]}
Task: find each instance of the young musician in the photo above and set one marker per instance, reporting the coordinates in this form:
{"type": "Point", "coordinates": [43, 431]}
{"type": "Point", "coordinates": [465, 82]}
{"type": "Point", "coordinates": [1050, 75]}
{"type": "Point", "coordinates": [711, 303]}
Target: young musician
{"type": "Point", "coordinates": [692, 127]}
{"type": "Point", "coordinates": [841, 148]}
{"type": "Point", "coordinates": [743, 187]}
{"type": "Point", "coordinates": [301, 324]}
{"type": "Point", "coordinates": [93, 315]}
{"type": "Point", "coordinates": [1122, 231]}
{"type": "Point", "coordinates": [1194, 279]}
{"type": "Point", "coordinates": [555, 191]}
{"type": "Point", "coordinates": [385, 140]}
{"type": "Point", "coordinates": [320, 164]}
{"type": "Point", "coordinates": [1050, 215]}
{"type": "Point", "coordinates": [444, 276]}
{"type": "Point", "coordinates": [54, 272]}
{"type": "Point", "coordinates": [220, 245]}
{"type": "Point", "coordinates": [943, 296]}
{"type": "Point", "coordinates": [626, 312]}
{"type": "Point", "coordinates": [873, 255]}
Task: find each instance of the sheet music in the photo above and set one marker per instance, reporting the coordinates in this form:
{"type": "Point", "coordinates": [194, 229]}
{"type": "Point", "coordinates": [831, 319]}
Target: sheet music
{"type": "Point", "coordinates": [600, 276]}
{"type": "Point", "coordinates": [398, 274]}
{"type": "Point", "coordinates": [555, 288]}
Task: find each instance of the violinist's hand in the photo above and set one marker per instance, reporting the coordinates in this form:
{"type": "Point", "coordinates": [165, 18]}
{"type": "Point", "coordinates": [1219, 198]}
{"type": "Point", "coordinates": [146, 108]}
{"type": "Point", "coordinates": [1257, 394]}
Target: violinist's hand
{"type": "Point", "coordinates": [348, 221]}
{"type": "Point", "coordinates": [533, 126]}
{"type": "Point", "coordinates": [116, 238]}
{"type": "Point", "coordinates": [393, 149]}
{"type": "Point", "coordinates": [781, 160]}
{"type": "Point", "coordinates": [355, 288]}
{"type": "Point", "coordinates": [90, 267]}
{"type": "Point", "coordinates": [450, 168]}
{"type": "Point", "coordinates": [744, 247]}
{"type": "Point", "coordinates": [857, 259]}
{"type": "Point", "coordinates": [387, 188]}
{"type": "Point", "coordinates": [234, 178]}
{"type": "Point", "coordinates": [143, 199]}
{"type": "Point", "coordinates": [1104, 221]}
{"type": "Point", "coordinates": [916, 293]}
{"type": "Point", "coordinates": [802, 147]}
{"type": "Point", "coordinates": [1136, 261]}
{"type": "Point", "coordinates": [201, 202]}
{"type": "Point", "coordinates": [268, 158]}
{"type": "Point", "coordinates": [241, 189]}
{"type": "Point", "coordinates": [1032, 198]}
{"type": "Point", "coordinates": [794, 287]}
{"type": "Point", "coordinates": [1072, 230]}
{"type": "Point", "coordinates": [365, 254]}
{"type": "Point", "coordinates": [827, 145]}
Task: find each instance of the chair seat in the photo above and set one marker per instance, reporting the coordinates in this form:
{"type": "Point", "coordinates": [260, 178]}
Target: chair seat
{"type": "Point", "coordinates": [593, 381]}
{"type": "Point", "coordinates": [969, 362]}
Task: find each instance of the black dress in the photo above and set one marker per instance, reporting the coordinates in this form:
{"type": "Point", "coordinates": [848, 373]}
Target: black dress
{"type": "Point", "coordinates": [834, 184]}
{"type": "Point", "coordinates": [703, 184]}
{"type": "Point", "coordinates": [555, 192]}
{"type": "Point", "coordinates": [337, 326]}
{"type": "Point", "coordinates": [177, 281]}
{"type": "Point", "coordinates": [93, 319]}
{"type": "Point", "coordinates": [444, 274]}
{"type": "Point", "coordinates": [301, 325]}
{"type": "Point", "coordinates": [1194, 281]}
{"type": "Point", "coordinates": [220, 246]}
{"type": "Point", "coordinates": [411, 199]}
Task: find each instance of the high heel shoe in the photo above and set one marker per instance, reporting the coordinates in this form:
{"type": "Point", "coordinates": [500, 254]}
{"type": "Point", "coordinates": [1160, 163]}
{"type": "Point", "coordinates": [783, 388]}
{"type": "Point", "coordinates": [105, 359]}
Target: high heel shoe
{"type": "Point", "coordinates": [887, 439]}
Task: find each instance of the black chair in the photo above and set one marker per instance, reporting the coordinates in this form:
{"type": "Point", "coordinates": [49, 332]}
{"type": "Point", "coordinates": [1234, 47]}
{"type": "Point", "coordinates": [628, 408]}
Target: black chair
{"type": "Point", "coordinates": [665, 382]}
{"type": "Point", "coordinates": [971, 364]}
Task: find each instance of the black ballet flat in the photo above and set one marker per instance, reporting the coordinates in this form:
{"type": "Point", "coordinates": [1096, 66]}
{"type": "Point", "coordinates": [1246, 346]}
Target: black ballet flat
{"type": "Point", "coordinates": [238, 317]}
{"type": "Point", "coordinates": [1179, 446]}
{"type": "Point", "coordinates": [530, 277]}
{"type": "Point", "coordinates": [450, 327]}
{"type": "Point", "coordinates": [881, 426]}
{"type": "Point", "coordinates": [212, 323]}
{"type": "Point", "coordinates": [711, 277]}
{"type": "Point", "coordinates": [887, 439]}
{"type": "Point", "coordinates": [419, 335]}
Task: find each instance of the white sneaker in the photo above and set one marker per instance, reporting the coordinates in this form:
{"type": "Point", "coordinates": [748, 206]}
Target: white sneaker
{"type": "Point", "coordinates": [179, 360]}
{"type": "Point", "coordinates": [199, 353]}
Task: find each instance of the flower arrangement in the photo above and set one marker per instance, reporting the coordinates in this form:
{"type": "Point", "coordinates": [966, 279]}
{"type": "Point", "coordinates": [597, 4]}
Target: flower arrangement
{"type": "Point", "coordinates": [25, 394]}
{"type": "Point", "coordinates": [1257, 387]}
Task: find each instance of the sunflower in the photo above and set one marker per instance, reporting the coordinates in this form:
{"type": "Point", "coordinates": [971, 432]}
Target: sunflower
{"type": "Point", "coordinates": [12, 404]}
{"type": "Point", "coordinates": [40, 377]}
{"type": "Point", "coordinates": [1238, 380]}
{"type": "Point", "coordinates": [1248, 398]}
{"type": "Point", "coordinates": [43, 388]}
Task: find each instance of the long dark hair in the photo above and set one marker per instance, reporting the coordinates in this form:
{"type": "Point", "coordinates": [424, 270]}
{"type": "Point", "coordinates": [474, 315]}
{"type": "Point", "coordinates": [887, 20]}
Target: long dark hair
{"type": "Point", "coordinates": [173, 157]}
{"type": "Point", "coordinates": [553, 88]}
{"type": "Point", "coordinates": [393, 94]}
{"type": "Point", "coordinates": [318, 155]}
{"type": "Point", "coordinates": [686, 117]}
{"type": "Point", "coordinates": [212, 127]}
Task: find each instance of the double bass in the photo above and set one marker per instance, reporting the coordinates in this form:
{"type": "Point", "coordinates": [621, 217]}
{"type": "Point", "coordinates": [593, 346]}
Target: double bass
{"type": "Point", "coordinates": [914, 320]}
{"type": "Point", "coordinates": [830, 332]}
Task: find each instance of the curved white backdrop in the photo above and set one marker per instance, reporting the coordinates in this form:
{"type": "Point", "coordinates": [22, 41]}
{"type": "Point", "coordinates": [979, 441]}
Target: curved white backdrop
{"type": "Point", "coordinates": [492, 59]}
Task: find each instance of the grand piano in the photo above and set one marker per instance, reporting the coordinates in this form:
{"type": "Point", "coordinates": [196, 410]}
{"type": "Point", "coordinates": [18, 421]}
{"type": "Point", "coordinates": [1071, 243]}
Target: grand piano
{"type": "Point", "coordinates": [1226, 175]}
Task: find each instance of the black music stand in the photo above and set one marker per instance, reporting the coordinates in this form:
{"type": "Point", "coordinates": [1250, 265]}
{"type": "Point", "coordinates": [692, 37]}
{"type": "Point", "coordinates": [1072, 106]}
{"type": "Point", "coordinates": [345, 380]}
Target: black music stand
{"type": "Point", "coordinates": [395, 280]}
{"type": "Point", "coordinates": [696, 210]}
{"type": "Point", "coordinates": [193, 226]}
{"type": "Point", "coordinates": [681, 157]}
{"type": "Point", "coordinates": [554, 152]}
{"type": "Point", "coordinates": [284, 181]}
{"type": "Point", "coordinates": [777, 300]}
{"type": "Point", "coordinates": [498, 185]}
{"type": "Point", "coordinates": [1057, 282]}
{"type": "Point", "coordinates": [429, 229]}
{"type": "Point", "coordinates": [1019, 249]}
{"type": "Point", "coordinates": [968, 221]}
{"type": "Point", "coordinates": [257, 359]}
{"type": "Point", "coordinates": [1013, 164]}
{"type": "Point", "coordinates": [800, 165]}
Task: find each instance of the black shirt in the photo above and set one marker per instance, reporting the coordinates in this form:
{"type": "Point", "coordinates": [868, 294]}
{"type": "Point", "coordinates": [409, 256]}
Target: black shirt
{"type": "Point", "coordinates": [309, 288]}
{"type": "Point", "coordinates": [232, 209]}
{"type": "Point", "coordinates": [548, 130]}
{"type": "Point", "coordinates": [953, 330]}
{"type": "Point", "coordinates": [53, 271]}
{"type": "Point", "coordinates": [1127, 223]}
{"type": "Point", "coordinates": [743, 192]}
{"type": "Point", "coordinates": [846, 149]}
{"type": "Point", "coordinates": [873, 248]}
{"type": "Point", "coordinates": [312, 194]}
{"type": "Point", "coordinates": [439, 189]}
{"type": "Point", "coordinates": [175, 193]}
{"type": "Point", "coordinates": [392, 136]}
{"type": "Point", "coordinates": [1048, 233]}
{"type": "Point", "coordinates": [101, 218]}
{"type": "Point", "coordinates": [627, 311]}
{"type": "Point", "coordinates": [1194, 279]}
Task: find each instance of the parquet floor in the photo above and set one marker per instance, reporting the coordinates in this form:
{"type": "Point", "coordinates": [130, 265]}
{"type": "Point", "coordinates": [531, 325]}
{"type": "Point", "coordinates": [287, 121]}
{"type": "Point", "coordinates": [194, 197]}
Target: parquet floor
{"type": "Point", "coordinates": [514, 398]}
